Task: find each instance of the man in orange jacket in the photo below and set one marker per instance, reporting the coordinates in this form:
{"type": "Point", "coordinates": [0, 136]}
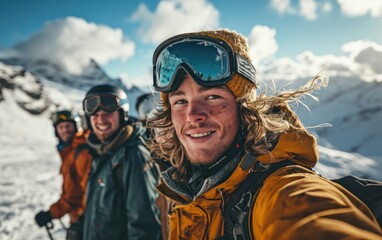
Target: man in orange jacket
{"type": "Point", "coordinates": [76, 163]}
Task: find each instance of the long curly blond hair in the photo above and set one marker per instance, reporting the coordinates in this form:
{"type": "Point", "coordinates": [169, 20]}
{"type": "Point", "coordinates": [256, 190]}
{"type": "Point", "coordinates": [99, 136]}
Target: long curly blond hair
{"type": "Point", "coordinates": [263, 118]}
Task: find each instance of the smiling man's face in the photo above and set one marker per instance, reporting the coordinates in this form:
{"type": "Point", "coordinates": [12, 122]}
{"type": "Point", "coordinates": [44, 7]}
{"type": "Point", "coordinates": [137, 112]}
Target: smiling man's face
{"type": "Point", "coordinates": [104, 124]}
{"type": "Point", "coordinates": [65, 130]}
{"type": "Point", "coordinates": [206, 120]}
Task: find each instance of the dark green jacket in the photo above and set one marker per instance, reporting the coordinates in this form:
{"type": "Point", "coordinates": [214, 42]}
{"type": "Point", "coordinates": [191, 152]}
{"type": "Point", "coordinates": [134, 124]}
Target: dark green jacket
{"type": "Point", "coordinates": [120, 202]}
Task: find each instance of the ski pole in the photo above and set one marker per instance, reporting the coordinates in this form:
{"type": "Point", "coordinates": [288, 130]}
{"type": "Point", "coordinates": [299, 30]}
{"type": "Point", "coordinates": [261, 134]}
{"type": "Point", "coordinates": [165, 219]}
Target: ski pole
{"type": "Point", "coordinates": [49, 226]}
{"type": "Point", "coordinates": [63, 225]}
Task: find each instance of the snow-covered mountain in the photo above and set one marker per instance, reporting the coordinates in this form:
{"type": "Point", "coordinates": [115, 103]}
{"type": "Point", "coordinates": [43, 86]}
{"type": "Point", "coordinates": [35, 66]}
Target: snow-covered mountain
{"type": "Point", "coordinates": [92, 75]}
{"type": "Point", "coordinates": [354, 109]}
{"type": "Point", "coordinates": [55, 84]}
{"type": "Point", "coordinates": [29, 163]}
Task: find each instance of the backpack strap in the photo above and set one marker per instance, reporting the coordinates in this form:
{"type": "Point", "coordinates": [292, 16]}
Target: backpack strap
{"type": "Point", "coordinates": [367, 190]}
{"type": "Point", "coordinates": [80, 148]}
{"type": "Point", "coordinates": [236, 210]}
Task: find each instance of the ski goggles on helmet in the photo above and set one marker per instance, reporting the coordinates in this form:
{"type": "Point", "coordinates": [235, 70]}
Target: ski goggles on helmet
{"type": "Point", "coordinates": [62, 116]}
{"type": "Point", "coordinates": [108, 103]}
{"type": "Point", "coordinates": [210, 62]}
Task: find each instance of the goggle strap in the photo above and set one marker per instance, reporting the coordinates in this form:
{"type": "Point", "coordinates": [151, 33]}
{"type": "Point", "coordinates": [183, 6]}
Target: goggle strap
{"type": "Point", "coordinates": [245, 68]}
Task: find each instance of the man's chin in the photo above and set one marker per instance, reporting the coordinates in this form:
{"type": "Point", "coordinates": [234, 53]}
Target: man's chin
{"type": "Point", "coordinates": [66, 139]}
{"type": "Point", "coordinates": [103, 137]}
{"type": "Point", "coordinates": [201, 160]}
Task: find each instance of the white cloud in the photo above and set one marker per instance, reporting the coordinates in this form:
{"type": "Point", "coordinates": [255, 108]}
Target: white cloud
{"type": "Point", "coordinates": [172, 17]}
{"type": "Point", "coordinates": [282, 6]}
{"type": "Point", "coordinates": [144, 80]}
{"type": "Point", "coordinates": [312, 64]}
{"type": "Point", "coordinates": [306, 8]}
{"type": "Point", "coordinates": [367, 54]}
{"type": "Point", "coordinates": [372, 57]}
{"type": "Point", "coordinates": [362, 60]}
{"type": "Point", "coordinates": [306, 65]}
{"type": "Point", "coordinates": [327, 7]}
{"type": "Point", "coordinates": [72, 42]}
{"type": "Point", "coordinates": [356, 8]}
{"type": "Point", "coordinates": [262, 43]}
{"type": "Point", "coordinates": [355, 47]}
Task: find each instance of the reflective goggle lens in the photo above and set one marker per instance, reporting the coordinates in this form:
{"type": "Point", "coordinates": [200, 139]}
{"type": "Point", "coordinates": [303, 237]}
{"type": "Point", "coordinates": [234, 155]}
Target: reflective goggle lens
{"type": "Point", "coordinates": [109, 103]}
{"type": "Point", "coordinates": [207, 60]}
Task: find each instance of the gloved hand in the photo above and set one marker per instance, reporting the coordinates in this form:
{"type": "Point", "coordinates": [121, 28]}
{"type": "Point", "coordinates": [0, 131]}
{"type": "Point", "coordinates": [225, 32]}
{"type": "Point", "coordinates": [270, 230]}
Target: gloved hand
{"type": "Point", "coordinates": [74, 232]}
{"type": "Point", "coordinates": [42, 218]}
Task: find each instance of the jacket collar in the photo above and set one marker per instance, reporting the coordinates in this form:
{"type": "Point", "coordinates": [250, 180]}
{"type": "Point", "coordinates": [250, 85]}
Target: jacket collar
{"type": "Point", "coordinates": [297, 146]}
{"type": "Point", "coordinates": [122, 136]}
{"type": "Point", "coordinates": [182, 188]}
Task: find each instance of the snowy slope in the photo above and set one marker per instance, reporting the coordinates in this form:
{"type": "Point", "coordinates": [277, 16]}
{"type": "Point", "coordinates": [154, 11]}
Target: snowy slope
{"type": "Point", "coordinates": [29, 164]}
{"type": "Point", "coordinates": [57, 84]}
{"type": "Point", "coordinates": [354, 109]}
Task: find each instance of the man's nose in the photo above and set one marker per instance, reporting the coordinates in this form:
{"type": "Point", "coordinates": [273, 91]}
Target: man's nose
{"type": "Point", "coordinates": [101, 117]}
{"type": "Point", "coordinates": [197, 112]}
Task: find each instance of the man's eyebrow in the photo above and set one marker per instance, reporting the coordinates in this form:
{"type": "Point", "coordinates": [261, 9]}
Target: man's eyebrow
{"type": "Point", "coordinates": [176, 93]}
{"type": "Point", "coordinates": [223, 87]}
{"type": "Point", "coordinates": [200, 90]}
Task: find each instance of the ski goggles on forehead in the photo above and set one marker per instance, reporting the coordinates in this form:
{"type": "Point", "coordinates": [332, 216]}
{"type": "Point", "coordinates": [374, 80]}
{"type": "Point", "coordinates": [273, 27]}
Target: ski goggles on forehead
{"type": "Point", "coordinates": [62, 116]}
{"type": "Point", "coordinates": [108, 103]}
{"type": "Point", "coordinates": [210, 62]}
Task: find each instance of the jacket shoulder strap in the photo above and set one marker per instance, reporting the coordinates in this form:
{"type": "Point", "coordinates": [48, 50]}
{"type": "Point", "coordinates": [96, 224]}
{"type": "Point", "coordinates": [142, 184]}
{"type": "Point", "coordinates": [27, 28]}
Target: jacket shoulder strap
{"type": "Point", "coordinates": [235, 212]}
{"type": "Point", "coordinates": [80, 148]}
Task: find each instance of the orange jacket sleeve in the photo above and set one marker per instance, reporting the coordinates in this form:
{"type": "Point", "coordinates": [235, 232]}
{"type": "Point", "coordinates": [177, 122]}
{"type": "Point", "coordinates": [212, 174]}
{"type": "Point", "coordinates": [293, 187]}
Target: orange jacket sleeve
{"type": "Point", "coordinates": [74, 171]}
{"type": "Point", "coordinates": [295, 203]}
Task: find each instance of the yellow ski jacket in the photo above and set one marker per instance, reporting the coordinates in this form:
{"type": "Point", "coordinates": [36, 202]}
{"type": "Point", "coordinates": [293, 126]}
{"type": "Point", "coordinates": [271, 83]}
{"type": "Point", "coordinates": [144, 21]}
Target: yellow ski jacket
{"type": "Point", "coordinates": [294, 202]}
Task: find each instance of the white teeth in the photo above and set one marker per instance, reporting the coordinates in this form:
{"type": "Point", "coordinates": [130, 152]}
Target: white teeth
{"type": "Point", "coordinates": [102, 128]}
{"type": "Point", "coordinates": [200, 134]}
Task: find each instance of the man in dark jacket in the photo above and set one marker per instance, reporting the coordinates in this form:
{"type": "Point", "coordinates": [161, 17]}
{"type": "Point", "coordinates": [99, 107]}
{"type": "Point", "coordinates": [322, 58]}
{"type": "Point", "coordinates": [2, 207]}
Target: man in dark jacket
{"type": "Point", "coordinates": [121, 186]}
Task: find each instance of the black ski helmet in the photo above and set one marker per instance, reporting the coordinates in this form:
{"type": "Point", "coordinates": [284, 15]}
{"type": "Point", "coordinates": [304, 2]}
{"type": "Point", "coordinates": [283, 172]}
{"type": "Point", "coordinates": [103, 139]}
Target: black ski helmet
{"type": "Point", "coordinates": [107, 89]}
{"type": "Point", "coordinates": [62, 116]}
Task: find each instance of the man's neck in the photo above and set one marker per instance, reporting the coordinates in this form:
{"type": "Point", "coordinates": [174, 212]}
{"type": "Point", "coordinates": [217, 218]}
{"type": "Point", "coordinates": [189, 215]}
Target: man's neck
{"type": "Point", "coordinates": [199, 173]}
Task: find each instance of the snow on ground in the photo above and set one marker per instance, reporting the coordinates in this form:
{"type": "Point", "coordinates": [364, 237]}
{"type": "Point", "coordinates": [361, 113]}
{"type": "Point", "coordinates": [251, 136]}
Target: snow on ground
{"type": "Point", "coordinates": [29, 179]}
{"type": "Point", "coordinates": [27, 187]}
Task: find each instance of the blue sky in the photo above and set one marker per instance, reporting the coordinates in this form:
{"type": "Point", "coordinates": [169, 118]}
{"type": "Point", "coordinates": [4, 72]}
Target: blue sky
{"type": "Point", "coordinates": [287, 36]}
